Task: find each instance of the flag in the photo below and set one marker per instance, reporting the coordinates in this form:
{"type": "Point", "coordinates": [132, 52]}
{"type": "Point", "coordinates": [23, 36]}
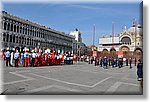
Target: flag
{"type": "Point", "coordinates": [53, 55]}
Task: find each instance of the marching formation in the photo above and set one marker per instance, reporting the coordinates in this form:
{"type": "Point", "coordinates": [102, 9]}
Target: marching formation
{"type": "Point", "coordinates": [114, 62]}
{"type": "Point", "coordinates": [36, 57]}
{"type": "Point", "coordinates": [118, 62]}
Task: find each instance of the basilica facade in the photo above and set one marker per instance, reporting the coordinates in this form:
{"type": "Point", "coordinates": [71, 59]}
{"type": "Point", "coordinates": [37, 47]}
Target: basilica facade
{"type": "Point", "coordinates": [128, 41]}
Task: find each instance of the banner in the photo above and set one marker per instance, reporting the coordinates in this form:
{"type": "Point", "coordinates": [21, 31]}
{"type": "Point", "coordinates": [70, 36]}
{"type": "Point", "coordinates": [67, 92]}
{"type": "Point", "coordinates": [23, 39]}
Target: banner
{"type": "Point", "coordinates": [120, 54]}
{"type": "Point", "coordinates": [95, 53]}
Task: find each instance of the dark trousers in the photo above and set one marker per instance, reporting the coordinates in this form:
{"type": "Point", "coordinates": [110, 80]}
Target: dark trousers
{"type": "Point", "coordinates": [130, 65]}
{"type": "Point", "coordinates": [112, 64]}
{"type": "Point", "coordinates": [33, 60]}
{"type": "Point", "coordinates": [105, 65]}
{"type": "Point", "coordinates": [8, 61]}
{"type": "Point", "coordinates": [109, 63]}
{"type": "Point", "coordinates": [101, 64]}
{"type": "Point", "coordinates": [16, 62]}
{"type": "Point", "coordinates": [119, 64]}
{"type": "Point", "coordinates": [95, 63]}
{"type": "Point", "coordinates": [140, 73]}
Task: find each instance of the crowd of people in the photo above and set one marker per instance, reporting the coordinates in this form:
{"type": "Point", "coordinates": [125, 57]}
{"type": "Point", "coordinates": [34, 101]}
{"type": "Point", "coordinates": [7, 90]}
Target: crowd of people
{"type": "Point", "coordinates": [36, 57]}
{"type": "Point", "coordinates": [118, 62]}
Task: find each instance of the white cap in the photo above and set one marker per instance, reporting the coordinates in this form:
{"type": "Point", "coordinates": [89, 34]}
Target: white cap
{"type": "Point", "coordinates": [48, 50]}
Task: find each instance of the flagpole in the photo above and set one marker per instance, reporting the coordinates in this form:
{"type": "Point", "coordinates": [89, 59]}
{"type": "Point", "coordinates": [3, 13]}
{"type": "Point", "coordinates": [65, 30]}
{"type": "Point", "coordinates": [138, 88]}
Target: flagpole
{"type": "Point", "coordinates": [112, 34]}
{"type": "Point", "coordinates": [93, 34]}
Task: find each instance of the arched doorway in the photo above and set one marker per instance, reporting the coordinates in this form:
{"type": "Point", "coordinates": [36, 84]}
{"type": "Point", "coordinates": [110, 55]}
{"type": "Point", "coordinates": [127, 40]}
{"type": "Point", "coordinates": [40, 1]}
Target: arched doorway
{"type": "Point", "coordinates": [105, 50]}
{"type": "Point", "coordinates": [126, 40]}
{"type": "Point", "coordinates": [112, 50]}
{"type": "Point", "coordinates": [113, 53]}
{"type": "Point", "coordinates": [105, 53]}
{"type": "Point", "coordinates": [126, 51]}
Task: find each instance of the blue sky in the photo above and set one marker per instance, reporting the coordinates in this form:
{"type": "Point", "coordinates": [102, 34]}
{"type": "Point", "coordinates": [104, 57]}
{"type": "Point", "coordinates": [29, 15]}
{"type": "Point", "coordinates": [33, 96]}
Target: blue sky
{"type": "Point", "coordinates": [67, 17]}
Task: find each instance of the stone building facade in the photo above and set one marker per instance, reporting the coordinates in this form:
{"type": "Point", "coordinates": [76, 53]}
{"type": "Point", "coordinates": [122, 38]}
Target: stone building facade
{"type": "Point", "coordinates": [128, 41]}
{"type": "Point", "coordinates": [18, 32]}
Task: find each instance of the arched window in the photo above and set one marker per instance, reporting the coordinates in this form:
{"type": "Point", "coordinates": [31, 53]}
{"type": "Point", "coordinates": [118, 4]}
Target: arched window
{"type": "Point", "coordinates": [17, 29]}
{"type": "Point", "coordinates": [25, 31]}
{"type": "Point", "coordinates": [10, 38]}
{"type": "Point", "coordinates": [7, 38]}
{"type": "Point", "coordinates": [4, 37]}
{"type": "Point", "coordinates": [126, 40]}
{"type": "Point", "coordinates": [11, 27]}
{"type": "Point", "coordinates": [13, 38]}
{"type": "Point", "coordinates": [16, 39]}
{"type": "Point", "coordinates": [112, 49]}
{"type": "Point", "coordinates": [105, 50]}
{"type": "Point", "coordinates": [8, 26]}
{"type": "Point", "coordinates": [14, 28]}
{"type": "Point", "coordinates": [22, 40]}
{"type": "Point", "coordinates": [20, 29]}
{"type": "Point", "coordinates": [27, 41]}
{"type": "Point", "coordinates": [19, 39]}
{"type": "Point", "coordinates": [5, 25]}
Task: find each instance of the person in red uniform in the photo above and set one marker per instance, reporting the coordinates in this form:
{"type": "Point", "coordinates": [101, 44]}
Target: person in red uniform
{"type": "Point", "coordinates": [4, 54]}
{"type": "Point", "coordinates": [39, 54]}
{"type": "Point", "coordinates": [53, 56]}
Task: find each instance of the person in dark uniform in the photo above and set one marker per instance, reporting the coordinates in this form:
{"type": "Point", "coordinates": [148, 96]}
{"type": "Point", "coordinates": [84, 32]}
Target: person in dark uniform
{"type": "Point", "coordinates": [119, 62]}
{"type": "Point", "coordinates": [91, 60]}
{"type": "Point", "coordinates": [112, 62]}
{"type": "Point", "coordinates": [105, 62]}
{"type": "Point", "coordinates": [98, 61]}
{"type": "Point", "coordinates": [126, 61]}
{"type": "Point", "coordinates": [116, 62]}
{"type": "Point", "coordinates": [130, 62]}
{"type": "Point", "coordinates": [95, 61]}
{"type": "Point", "coordinates": [109, 61]}
{"type": "Point", "coordinates": [140, 70]}
{"type": "Point", "coordinates": [101, 62]}
{"type": "Point", "coordinates": [135, 61]}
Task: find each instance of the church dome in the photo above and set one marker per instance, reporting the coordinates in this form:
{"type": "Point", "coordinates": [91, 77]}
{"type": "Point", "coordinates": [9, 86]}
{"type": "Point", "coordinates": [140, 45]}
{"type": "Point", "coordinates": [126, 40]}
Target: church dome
{"type": "Point", "coordinates": [137, 29]}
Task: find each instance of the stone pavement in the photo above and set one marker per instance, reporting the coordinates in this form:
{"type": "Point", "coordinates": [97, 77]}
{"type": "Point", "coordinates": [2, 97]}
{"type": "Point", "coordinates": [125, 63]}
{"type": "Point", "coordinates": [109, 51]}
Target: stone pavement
{"type": "Point", "coordinates": [80, 78]}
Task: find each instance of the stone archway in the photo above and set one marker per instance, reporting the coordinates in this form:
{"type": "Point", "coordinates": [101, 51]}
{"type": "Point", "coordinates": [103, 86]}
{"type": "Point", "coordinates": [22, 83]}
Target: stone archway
{"type": "Point", "coordinates": [126, 40]}
{"type": "Point", "coordinates": [112, 53]}
{"type": "Point", "coordinates": [112, 50]}
{"type": "Point", "coordinates": [124, 49]}
{"type": "Point", "coordinates": [105, 50]}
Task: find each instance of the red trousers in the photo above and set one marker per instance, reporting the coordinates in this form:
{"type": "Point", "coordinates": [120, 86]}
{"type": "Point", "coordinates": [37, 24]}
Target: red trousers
{"type": "Point", "coordinates": [26, 62]}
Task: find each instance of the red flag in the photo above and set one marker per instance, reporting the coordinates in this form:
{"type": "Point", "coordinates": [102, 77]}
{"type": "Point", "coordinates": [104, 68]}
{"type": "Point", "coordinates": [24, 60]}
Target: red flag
{"type": "Point", "coordinates": [53, 55]}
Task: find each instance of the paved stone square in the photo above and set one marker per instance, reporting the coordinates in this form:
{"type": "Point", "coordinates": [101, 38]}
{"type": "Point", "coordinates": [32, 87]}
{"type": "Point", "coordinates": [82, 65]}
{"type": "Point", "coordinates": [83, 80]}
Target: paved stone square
{"type": "Point", "coordinates": [80, 78]}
